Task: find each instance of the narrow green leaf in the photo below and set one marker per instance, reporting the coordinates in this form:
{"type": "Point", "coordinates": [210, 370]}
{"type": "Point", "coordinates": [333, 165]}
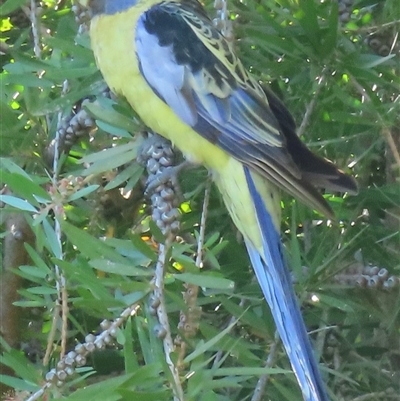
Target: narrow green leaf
{"type": "Point", "coordinates": [243, 371]}
{"type": "Point", "coordinates": [368, 61]}
{"type": "Point", "coordinates": [83, 192]}
{"type": "Point", "coordinates": [107, 388]}
{"type": "Point", "coordinates": [42, 290]}
{"type": "Point", "coordinates": [203, 347]}
{"type": "Point", "coordinates": [140, 395]}
{"type": "Point", "coordinates": [329, 40]}
{"type": "Point", "coordinates": [10, 5]}
{"type": "Point", "coordinates": [89, 245]}
{"type": "Point", "coordinates": [343, 304]}
{"type": "Point", "coordinates": [308, 18]}
{"type": "Point", "coordinates": [125, 248]}
{"type": "Point", "coordinates": [18, 203]}
{"type": "Point", "coordinates": [111, 129]}
{"type": "Point", "coordinates": [32, 304]}
{"type": "Point", "coordinates": [119, 268]}
{"type": "Point", "coordinates": [211, 240]}
{"type": "Point", "coordinates": [109, 153]}
{"type": "Point", "coordinates": [144, 248]}
{"type": "Point", "coordinates": [17, 361]}
{"type": "Point", "coordinates": [111, 116]}
{"type": "Point", "coordinates": [34, 271]}
{"type": "Point", "coordinates": [18, 384]}
{"type": "Point", "coordinates": [245, 316]}
{"type": "Point", "coordinates": [26, 80]}
{"type": "Point", "coordinates": [131, 362]}
{"type": "Point", "coordinates": [206, 280]}
{"type": "Point", "coordinates": [134, 171]}
{"type": "Point", "coordinates": [52, 242]}
{"type": "Point", "coordinates": [156, 232]}
{"type": "Point", "coordinates": [36, 258]}
{"type": "Point", "coordinates": [24, 187]}
{"type": "Point", "coordinates": [111, 163]}
{"type": "Point", "coordinates": [86, 279]}
{"type": "Point", "coordinates": [144, 341]}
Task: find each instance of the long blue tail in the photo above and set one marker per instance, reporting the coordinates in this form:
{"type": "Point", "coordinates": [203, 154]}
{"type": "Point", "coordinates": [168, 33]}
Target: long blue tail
{"type": "Point", "coordinates": [275, 281]}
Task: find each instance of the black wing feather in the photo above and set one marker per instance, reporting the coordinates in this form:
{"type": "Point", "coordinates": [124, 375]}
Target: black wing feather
{"type": "Point", "coordinates": [226, 105]}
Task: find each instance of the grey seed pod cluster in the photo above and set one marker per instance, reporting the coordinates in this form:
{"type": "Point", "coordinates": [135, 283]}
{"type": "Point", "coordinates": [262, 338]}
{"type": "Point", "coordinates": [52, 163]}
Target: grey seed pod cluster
{"type": "Point", "coordinates": [75, 126]}
{"type": "Point", "coordinates": [369, 277]}
{"type": "Point", "coordinates": [222, 21]}
{"type": "Point", "coordinates": [376, 277]}
{"type": "Point", "coordinates": [382, 42]}
{"type": "Point", "coordinates": [189, 321]}
{"type": "Point", "coordinates": [82, 17]}
{"type": "Point", "coordinates": [70, 129]}
{"type": "Point", "coordinates": [345, 10]}
{"type": "Point", "coordinates": [162, 187]}
{"type": "Point", "coordinates": [77, 358]}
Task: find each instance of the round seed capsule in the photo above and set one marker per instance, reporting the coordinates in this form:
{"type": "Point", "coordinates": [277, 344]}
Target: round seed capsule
{"type": "Point", "coordinates": [90, 347]}
{"type": "Point", "coordinates": [160, 331]}
{"type": "Point", "coordinates": [80, 349]}
{"type": "Point", "coordinates": [51, 375]}
{"type": "Point", "coordinates": [62, 375]}
{"type": "Point", "coordinates": [107, 339]}
{"type": "Point", "coordinates": [69, 370]}
{"type": "Point", "coordinates": [105, 324]}
{"type": "Point", "coordinates": [90, 338]}
{"type": "Point", "coordinates": [154, 301]}
{"type": "Point", "coordinates": [80, 360]}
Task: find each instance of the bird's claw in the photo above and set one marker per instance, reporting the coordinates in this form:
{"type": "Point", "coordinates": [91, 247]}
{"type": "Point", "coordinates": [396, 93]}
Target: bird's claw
{"type": "Point", "coordinates": [155, 182]}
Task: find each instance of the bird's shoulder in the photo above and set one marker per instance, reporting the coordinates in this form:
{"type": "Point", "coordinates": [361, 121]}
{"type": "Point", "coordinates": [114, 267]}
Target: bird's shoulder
{"type": "Point", "coordinates": [197, 43]}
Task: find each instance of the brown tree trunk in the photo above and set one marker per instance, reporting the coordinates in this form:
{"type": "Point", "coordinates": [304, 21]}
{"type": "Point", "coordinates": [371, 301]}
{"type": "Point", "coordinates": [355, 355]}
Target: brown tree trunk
{"type": "Point", "coordinates": [14, 255]}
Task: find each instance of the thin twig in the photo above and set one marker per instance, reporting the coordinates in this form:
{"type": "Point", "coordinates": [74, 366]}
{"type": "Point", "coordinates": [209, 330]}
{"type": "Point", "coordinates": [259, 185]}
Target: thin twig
{"type": "Point", "coordinates": [189, 318]}
{"type": "Point", "coordinates": [52, 334]}
{"type": "Point", "coordinates": [360, 89]}
{"type": "Point", "coordinates": [202, 231]}
{"type": "Point", "coordinates": [263, 380]}
{"type": "Point", "coordinates": [35, 29]}
{"type": "Point", "coordinates": [163, 316]}
{"type": "Point", "coordinates": [77, 357]}
{"type": "Point", "coordinates": [35, 396]}
{"type": "Point", "coordinates": [311, 105]}
{"type": "Point", "coordinates": [319, 346]}
{"type": "Point", "coordinates": [378, 27]}
{"type": "Point", "coordinates": [59, 212]}
{"type": "Point", "coordinates": [375, 396]}
{"type": "Point", "coordinates": [232, 321]}
{"type": "Point", "coordinates": [392, 145]}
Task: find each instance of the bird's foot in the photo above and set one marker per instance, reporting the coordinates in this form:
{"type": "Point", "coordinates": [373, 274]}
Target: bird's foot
{"type": "Point", "coordinates": [165, 175]}
{"type": "Point", "coordinates": [162, 186]}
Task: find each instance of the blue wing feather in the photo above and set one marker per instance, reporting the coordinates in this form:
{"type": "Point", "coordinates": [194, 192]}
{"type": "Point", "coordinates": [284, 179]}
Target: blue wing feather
{"type": "Point", "coordinates": [275, 282]}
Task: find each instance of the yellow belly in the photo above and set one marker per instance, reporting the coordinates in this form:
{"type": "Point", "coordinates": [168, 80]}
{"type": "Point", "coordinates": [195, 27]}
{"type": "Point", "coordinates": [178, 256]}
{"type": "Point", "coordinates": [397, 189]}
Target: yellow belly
{"type": "Point", "coordinates": [115, 53]}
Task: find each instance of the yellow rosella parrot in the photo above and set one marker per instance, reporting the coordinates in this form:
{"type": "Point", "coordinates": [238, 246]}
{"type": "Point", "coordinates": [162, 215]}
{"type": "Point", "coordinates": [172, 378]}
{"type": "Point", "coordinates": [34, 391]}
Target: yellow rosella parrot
{"type": "Point", "coordinates": [183, 78]}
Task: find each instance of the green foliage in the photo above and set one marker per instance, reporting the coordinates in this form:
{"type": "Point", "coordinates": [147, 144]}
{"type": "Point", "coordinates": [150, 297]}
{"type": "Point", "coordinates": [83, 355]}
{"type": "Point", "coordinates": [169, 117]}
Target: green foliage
{"type": "Point", "coordinates": [338, 88]}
